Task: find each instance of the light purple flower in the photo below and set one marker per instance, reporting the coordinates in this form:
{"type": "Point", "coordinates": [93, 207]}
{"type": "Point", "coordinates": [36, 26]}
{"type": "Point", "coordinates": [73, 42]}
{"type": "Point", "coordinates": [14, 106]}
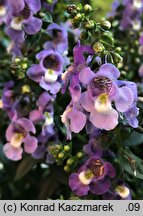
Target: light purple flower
{"type": "Point", "coordinates": [73, 119]}
{"type": "Point", "coordinates": [93, 176]}
{"type": "Point", "coordinates": [21, 20]}
{"type": "Point", "coordinates": [18, 133]}
{"type": "Point", "coordinates": [47, 72]}
{"type": "Point", "coordinates": [59, 38]}
{"type": "Point", "coordinates": [102, 91]}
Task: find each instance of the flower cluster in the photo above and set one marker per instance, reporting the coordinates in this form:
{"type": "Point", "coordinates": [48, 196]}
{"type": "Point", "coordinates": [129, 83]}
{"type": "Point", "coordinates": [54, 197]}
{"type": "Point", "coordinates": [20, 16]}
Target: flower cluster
{"type": "Point", "coordinates": [101, 90]}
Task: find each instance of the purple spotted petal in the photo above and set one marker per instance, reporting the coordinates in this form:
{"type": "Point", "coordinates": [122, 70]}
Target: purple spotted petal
{"type": "Point", "coordinates": [26, 124]}
{"type": "Point", "coordinates": [86, 102]}
{"type": "Point", "coordinates": [30, 144]}
{"type": "Point", "coordinates": [86, 75]}
{"type": "Point", "coordinates": [124, 99]}
{"type": "Point", "coordinates": [52, 87]}
{"type": "Point", "coordinates": [34, 5]}
{"type": "Point", "coordinates": [12, 153]}
{"type": "Point", "coordinates": [104, 121]}
{"type": "Point", "coordinates": [100, 187]}
{"type": "Point", "coordinates": [110, 171]}
{"type": "Point", "coordinates": [33, 26]}
{"type": "Point", "coordinates": [109, 70]}
{"type": "Point", "coordinates": [35, 72]}
{"type": "Point", "coordinates": [39, 152]}
{"type": "Point", "coordinates": [77, 120]}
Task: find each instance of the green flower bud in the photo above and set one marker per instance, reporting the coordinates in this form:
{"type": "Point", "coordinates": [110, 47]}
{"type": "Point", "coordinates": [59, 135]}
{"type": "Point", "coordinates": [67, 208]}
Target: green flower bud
{"type": "Point", "coordinates": [66, 168]}
{"type": "Point", "coordinates": [58, 147]}
{"type": "Point", "coordinates": [90, 25]}
{"type": "Point", "coordinates": [49, 1]}
{"type": "Point", "coordinates": [67, 148]}
{"type": "Point", "coordinates": [80, 154]}
{"type": "Point", "coordinates": [70, 161]}
{"type": "Point", "coordinates": [98, 47]}
{"type": "Point", "coordinates": [78, 18]}
{"type": "Point", "coordinates": [87, 8]}
{"type": "Point", "coordinates": [106, 24]}
{"type": "Point", "coordinates": [17, 60]}
{"type": "Point", "coordinates": [71, 9]}
{"type": "Point", "coordinates": [61, 155]}
{"type": "Point", "coordinates": [24, 65]}
{"type": "Point", "coordinates": [84, 35]}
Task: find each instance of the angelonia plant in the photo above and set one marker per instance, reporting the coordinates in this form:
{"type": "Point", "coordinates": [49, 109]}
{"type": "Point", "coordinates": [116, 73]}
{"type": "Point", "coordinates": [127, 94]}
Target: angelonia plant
{"type": "Point", "coordinates": [71, 100]}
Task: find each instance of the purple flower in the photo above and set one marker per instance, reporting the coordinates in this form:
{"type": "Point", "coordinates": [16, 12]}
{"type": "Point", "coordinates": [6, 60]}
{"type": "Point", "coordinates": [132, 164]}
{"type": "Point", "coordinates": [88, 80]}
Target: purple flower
{"type": "Point", "coordinates": [73, 119]}
{"type": "Point", "coordinates": [121, 192]}
{"type": "Point", "coordinates": [59, 38]}
{"type": "Point", "coordinates": [133, 111]}
{"type": "Point", "coordinates": [18, 132]}
{"type": "Point", "coordinates": [46, 73]}
{"type": "Point", "coordinates": [93, 176]}
{"type": "Point", "coordinates": [8, 103]}
{"type": "Point", "coordinates": [49, 5]}
{"type": "Point", "coordinates": [21, 19]}
{"type": "Point", "coordinates": [71, 76]}
{"type": "Point", "coordinates": [102, 91]}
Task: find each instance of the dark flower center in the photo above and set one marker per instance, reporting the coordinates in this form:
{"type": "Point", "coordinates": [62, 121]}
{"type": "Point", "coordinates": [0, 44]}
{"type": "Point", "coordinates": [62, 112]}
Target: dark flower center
{"type": "Point", "coordinates": [25, 13]}
{"type": "Point", "coordinates": [97, 167]}
{"type": "Point", "coordinates": [101, 84]}
{"type": "Point", "coordinates": [51, 62]}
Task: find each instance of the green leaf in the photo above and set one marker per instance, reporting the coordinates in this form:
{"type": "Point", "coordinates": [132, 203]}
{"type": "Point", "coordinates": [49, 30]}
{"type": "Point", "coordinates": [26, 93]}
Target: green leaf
{"type": "Point", "coordinates": [24, 167]}
{"type": "Point", "coordinates": [47, 18]}
{"type": "Point", "coordinates": [107, 39]}
{"type": "Point", "coordinates": [126, 157]}
{"type": "Point", "coordinates": [134, 139]}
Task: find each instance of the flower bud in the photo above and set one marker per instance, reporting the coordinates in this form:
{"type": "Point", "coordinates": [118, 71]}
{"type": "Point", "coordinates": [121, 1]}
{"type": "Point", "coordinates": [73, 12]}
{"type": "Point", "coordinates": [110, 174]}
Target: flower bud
{"type": "Point", "coordinates": [87, 8]}
{"type": "Point", "coordinates": [66, 168]}
{"type": "Point", "coordinates": [98, 47]}
{"type": "Point", "coordinates": [70, 161]}
{"type": "Point", "coordinates": [17, 60]}
{"type": "Point", "coordinates": [78, 18]}
{"type": "Point", "coordinates": [84, 35]}
{"type": "Point", "coordinates": [71, 9]}
{"type": "Point", "coordinates": [67, 148]}
{"type": "Point", "coordinates": [106, 25]}
{"type": "Point", "coordinates": [80, 154]}
{"type": "Point", "coordinates": [24, 65]}
{"type": "Point", "coordinates": [61, 155]}
{"type": "Point", "coordinates": [90, 25]}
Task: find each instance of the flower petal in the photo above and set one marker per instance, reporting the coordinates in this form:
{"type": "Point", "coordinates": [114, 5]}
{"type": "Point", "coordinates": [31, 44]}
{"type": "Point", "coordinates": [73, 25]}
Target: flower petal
{"type": "Point", "coordinates": [52, 87]}
{"type": "Point", "coordinates": [26, 124]}
{"type": "Point", "coordinates": [110, 170]}
{"type": "Point", "coordinates": [106, 121]}
{"type": "Point", "coordinates": [12, 153]}
{"type": "Point", "coordinates": [34, 5]}
{"type": "Point", "coordinates": [86, 75]}
{"type": "Point", "coordinates": [100, 187]}
{"type": "Point", "coordinates": [86, 102]}
{"type": "Point", "coordinates": [77, 120]}
{"type": "Point", "coordinates": [35, 72]}
{"type": "Point", "coordinates": [33, 26]}
{"type": "Point", "coordinates": [109, 70]}
{"type": "Point", "coordinates": [30, 144]}
{"type": "Point", "coordinates": [124, 99]}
